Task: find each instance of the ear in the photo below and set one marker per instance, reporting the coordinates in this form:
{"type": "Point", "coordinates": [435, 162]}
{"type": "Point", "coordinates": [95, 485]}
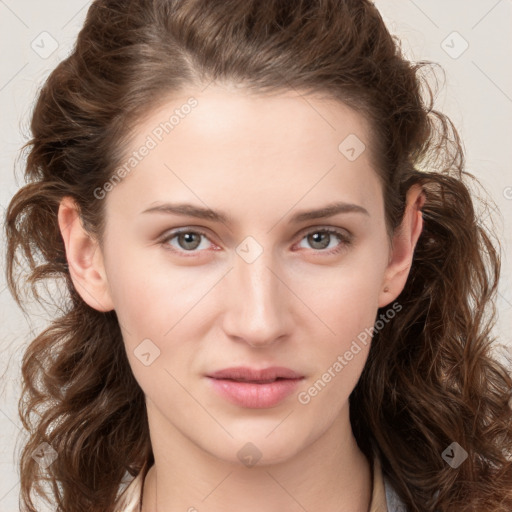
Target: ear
{"type": "Point", "coordinates": [403, 245]}
{"type": "Point", "coordinates": [85, 260]}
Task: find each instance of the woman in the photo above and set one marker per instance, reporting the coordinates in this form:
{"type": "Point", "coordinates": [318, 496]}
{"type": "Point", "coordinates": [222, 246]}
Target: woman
{"type": "Point", "coordinates": [279, 292]}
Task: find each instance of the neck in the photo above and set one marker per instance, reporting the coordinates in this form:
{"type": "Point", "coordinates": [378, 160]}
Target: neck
{"type": "Point", "coordinates": [331, 474]}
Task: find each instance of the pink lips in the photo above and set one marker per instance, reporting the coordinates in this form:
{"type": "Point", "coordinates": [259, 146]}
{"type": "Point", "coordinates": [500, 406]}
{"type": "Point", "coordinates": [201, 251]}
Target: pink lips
{"type": "Point", "coordinates": [256, 389]}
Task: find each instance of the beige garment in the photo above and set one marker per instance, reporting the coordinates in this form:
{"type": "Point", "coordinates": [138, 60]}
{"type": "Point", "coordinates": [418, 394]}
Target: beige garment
{"type": "Point", "coordinates": [131, 498]}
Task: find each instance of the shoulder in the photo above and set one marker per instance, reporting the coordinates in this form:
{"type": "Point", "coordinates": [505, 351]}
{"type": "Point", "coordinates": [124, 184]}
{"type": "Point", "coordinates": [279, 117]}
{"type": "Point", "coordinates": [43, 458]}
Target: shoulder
{"type": "Point", "coordinates": [393, 501]}
{"type": "Point", "coordinates": [384, 496]}
{"type": "Point", "coordinates": [130, 498]}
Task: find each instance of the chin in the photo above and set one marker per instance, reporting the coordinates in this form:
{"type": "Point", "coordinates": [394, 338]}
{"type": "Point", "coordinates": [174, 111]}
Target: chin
{"type": "Point", "coordinates": [257, 447]}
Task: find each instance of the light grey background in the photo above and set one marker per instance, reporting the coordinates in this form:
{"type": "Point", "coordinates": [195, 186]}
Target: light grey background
{"type": "Point", "coordinates": [477, 95]}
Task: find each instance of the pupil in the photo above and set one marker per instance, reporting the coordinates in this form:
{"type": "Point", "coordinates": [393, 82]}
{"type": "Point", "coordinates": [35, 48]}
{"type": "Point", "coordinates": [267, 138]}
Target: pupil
{"type": "Point", "coordinates": [318, 236]}
{"type": "Point", "coordinates": [189, 239]}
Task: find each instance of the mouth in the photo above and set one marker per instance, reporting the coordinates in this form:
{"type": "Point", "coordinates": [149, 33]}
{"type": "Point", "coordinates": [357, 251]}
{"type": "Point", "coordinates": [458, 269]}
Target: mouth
{"type": "Point", "coordinates": [265, 375]}
{"type": "Point", "coordinates": [267, 381]}
{"type": "Point", "coordinates": [253, 388]}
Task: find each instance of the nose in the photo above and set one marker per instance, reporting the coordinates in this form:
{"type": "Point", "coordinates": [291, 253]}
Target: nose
{"type": "Point", "coordinates": [257, 309]}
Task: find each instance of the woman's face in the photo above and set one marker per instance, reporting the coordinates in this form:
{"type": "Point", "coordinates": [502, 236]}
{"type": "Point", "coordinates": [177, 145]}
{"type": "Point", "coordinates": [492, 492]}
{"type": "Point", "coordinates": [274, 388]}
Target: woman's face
{"type": "Point", "coordinates": [256, 279]}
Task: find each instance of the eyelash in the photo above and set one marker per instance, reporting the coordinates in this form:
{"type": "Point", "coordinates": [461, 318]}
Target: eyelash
{"type": "Point", "coordinates": [345, 239]}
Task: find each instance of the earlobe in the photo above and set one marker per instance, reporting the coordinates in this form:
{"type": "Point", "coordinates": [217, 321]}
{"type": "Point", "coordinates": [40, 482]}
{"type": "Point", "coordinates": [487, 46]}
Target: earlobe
{"type": "Point", "coordinates": [85, 260]}
{"type": "Point", "coordinates": [404, 243]}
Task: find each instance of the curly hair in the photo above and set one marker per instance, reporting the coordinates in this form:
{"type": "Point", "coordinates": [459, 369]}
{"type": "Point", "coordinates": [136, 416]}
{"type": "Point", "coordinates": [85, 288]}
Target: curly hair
{"type": "Point", "coordinates": [430, 378]}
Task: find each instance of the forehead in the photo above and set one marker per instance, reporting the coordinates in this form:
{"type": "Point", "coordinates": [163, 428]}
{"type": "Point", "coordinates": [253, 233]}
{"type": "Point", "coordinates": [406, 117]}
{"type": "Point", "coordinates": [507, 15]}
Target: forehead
{"type": "Point", "coordinates": [229, 146]}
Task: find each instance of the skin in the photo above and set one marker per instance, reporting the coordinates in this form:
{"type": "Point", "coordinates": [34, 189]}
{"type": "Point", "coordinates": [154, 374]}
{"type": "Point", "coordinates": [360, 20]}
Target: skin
{"type": "Point", "coordinates": [261, 160]}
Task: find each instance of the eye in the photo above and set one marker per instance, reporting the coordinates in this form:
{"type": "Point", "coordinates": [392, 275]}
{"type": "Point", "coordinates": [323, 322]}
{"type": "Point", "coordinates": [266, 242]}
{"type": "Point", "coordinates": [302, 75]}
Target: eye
{"type": "Point", "coordinates": [187, 240]}
{"type": "Point", "coordinates": [320, 239]}
{"type": "Point", "coordinates": [190, 240]}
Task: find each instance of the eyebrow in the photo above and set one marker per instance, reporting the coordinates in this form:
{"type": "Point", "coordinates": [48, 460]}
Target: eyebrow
{"type": "Point", "coordinates": [199, 212]}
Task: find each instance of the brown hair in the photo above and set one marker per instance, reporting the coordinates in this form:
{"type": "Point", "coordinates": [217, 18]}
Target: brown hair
{"type": "Point", "coordinates": [430, 378]}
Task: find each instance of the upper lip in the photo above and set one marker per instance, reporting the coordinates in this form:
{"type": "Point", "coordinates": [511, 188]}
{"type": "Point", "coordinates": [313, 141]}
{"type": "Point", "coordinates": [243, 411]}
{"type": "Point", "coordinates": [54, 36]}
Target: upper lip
{"type": "Point", "coordinates": [252, 374]}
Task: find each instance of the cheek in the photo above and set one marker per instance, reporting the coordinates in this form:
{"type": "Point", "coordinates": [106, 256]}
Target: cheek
{"type": "Point", "coordinates": [351, 314]}
{"type": "Point", "coordinates": [143, 305]}
{"type": "Point", "coordinates": [162, 304]}
{"type": "Point", "coordinates": [152, 316]}
{"type": "Point", "coordinates": [348, 306]}
{"type": "Point", "coordinates": [345, 298]}
{"type": "Point", "coordinates": [149, 295]}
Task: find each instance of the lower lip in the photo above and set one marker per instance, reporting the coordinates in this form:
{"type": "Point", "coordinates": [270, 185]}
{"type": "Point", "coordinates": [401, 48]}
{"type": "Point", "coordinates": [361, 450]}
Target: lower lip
{"type": "Point", "coordinates": [253, 395]}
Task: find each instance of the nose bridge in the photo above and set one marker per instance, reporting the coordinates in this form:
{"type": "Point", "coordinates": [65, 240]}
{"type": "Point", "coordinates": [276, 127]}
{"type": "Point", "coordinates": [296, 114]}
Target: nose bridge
{"type": "Point", "coordinates": [258, 306]}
